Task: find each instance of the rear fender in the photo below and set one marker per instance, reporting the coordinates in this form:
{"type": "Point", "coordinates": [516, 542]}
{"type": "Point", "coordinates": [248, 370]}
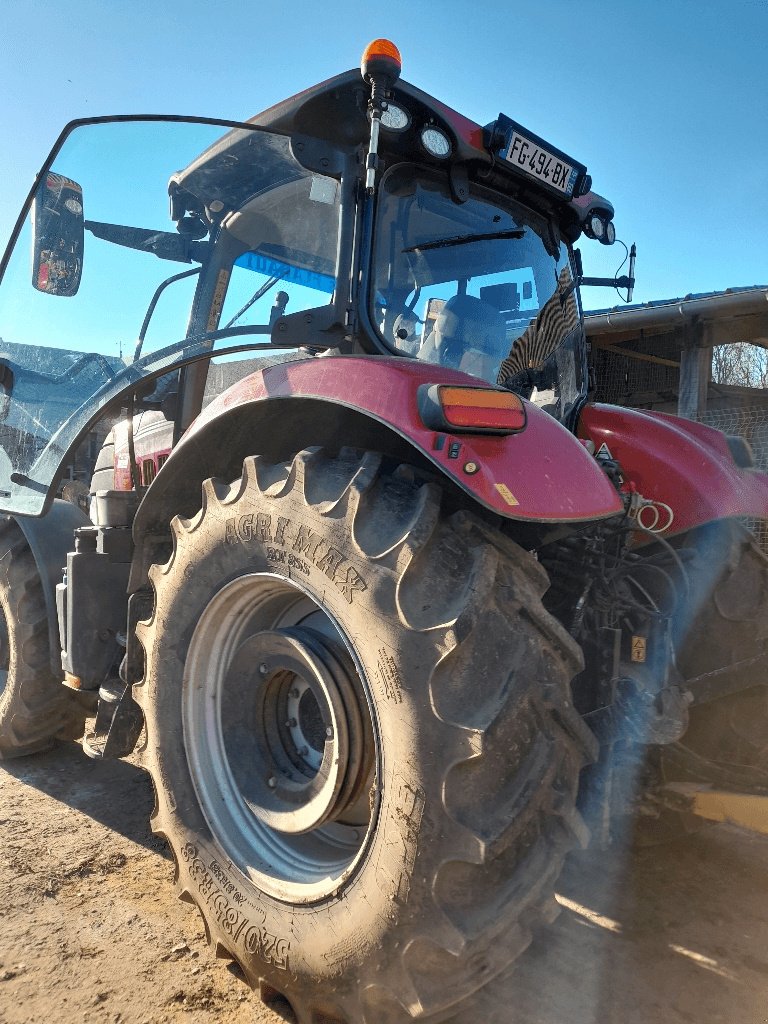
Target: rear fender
{"type": "Point", "coordinates": [686, 465]}
{"type": "Point", "coordinates": [541, 475]}
{"type": "Point", "coordinates": [50, 537]}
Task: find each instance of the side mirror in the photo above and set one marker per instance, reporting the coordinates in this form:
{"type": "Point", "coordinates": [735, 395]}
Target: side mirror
{"type": "Point", "coordinates": [57, 236]}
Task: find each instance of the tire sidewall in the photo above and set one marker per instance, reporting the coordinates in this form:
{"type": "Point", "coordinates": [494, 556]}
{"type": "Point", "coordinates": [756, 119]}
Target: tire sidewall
{"type": "Point", "coordinates": [9, 695]}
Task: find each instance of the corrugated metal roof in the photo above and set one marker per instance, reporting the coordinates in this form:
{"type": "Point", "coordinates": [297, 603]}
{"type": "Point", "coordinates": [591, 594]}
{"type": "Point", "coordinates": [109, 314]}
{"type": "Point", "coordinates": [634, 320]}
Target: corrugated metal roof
{"type": "Point", "coordinates": [653, 303]}
{"type": "Point", "coordinates": [736, 314]}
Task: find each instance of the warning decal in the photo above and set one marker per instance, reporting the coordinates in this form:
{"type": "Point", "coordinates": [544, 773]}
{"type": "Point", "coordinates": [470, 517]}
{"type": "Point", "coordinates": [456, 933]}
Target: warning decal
{"type": "Point", "coordinates": [603, 452]}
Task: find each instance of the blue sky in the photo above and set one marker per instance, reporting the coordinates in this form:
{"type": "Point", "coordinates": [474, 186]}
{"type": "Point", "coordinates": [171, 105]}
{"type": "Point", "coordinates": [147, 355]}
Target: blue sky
{"type": "Point", "coordinates": [666, 102]}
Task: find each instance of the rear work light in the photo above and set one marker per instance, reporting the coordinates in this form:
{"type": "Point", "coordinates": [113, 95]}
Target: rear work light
{"type": "Point", "coordinates": [461, 410]}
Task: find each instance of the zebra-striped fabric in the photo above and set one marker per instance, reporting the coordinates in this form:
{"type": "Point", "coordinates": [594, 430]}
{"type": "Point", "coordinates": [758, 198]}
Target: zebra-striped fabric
{"type": "Point", "coordinates": [556, 319]}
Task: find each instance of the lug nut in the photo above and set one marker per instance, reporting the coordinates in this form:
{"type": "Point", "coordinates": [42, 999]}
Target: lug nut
{"type": "Point", "coordinates": [272, 782]}
{"type": "Point", "coordinates": [329, 731]}
{"type": "Point", "coordinates": [294, 692]}
{"type": "Point", "coordinates": [291, 723]}
{"type": "Point", "coordinates": [263, 669]}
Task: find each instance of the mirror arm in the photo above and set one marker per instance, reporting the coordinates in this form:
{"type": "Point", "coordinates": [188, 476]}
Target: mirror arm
{"type": "Point", "coordinates": [608, 282]}
{"type": "Point", "coordinates": [625, 281]}
{"type": "Point", "coordinates": [166, 245]}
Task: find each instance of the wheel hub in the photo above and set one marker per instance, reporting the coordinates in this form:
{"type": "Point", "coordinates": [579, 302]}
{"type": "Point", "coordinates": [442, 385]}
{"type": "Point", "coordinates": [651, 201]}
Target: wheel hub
{"type": "Point", "coordinates": [304, 754]}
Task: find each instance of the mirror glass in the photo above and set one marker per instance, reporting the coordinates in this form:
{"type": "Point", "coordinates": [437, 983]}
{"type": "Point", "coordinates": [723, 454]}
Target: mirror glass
{"type": "Point", "coordinates": [57, 239]}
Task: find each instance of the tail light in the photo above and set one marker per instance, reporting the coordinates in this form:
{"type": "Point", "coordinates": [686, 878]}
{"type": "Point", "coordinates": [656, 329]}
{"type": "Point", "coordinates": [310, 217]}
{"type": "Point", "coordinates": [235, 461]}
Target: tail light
{"type": "Point", "coordinates": [471, 410]}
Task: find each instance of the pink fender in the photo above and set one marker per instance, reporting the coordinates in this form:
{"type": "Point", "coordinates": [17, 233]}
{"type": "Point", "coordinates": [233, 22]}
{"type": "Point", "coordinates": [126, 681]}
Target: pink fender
{"type": "Point", "coordinates": [542, 474]}
{"type": "Point", "coordinates": [686, 465]}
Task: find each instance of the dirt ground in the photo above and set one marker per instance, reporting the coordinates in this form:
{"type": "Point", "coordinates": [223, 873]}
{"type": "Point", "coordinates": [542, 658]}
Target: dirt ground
{"type": "Point", "coordinates": [91, 933]}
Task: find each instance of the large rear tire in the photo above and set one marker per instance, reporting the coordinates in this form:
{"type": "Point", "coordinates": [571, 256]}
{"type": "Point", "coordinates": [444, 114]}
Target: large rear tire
{"type": "Point", "coordinates": [724, 632]}
{"type": "Point", "coordinates": [730, 635]}
{"type": "Point", "coordinates": [35, 709]}
{"type": "Point", "coordinates": [361, 737]}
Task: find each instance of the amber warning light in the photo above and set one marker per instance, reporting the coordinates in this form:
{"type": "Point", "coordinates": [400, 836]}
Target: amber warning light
{"type": "Point", "coordinates": [471, 410]}
{"type": "Point", "coordinates": [381, 57]}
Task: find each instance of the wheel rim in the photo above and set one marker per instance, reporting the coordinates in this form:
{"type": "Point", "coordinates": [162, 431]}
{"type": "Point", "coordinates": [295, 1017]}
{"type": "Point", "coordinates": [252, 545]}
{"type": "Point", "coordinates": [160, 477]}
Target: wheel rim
{"type": "Point", "coordinates": [279, 738]}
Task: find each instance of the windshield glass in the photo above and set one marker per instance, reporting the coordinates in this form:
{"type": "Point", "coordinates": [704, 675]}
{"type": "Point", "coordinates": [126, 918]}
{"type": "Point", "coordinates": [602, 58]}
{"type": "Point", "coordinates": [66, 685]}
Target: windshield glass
{"type": "Point", "coordinates": [484, 286]}
{"type": "Point", "coordinates": [284, 245]}
{"type": "Point", "coordinates": [260, 239]}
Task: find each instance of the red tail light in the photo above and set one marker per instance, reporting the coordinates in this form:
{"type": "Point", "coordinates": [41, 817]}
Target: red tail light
{"type": "Point", "coordinates": [471, 410]}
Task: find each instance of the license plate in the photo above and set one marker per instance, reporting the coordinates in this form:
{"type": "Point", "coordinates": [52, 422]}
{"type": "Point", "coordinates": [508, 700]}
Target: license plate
{"type": "Point", "coordinates": [541, 164]}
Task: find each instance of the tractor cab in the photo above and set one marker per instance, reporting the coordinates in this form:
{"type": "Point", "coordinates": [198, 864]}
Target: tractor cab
{"type": "Point", "coordinates": [361, 217]}
{"type": "Point", "coordinates": [462, 255]}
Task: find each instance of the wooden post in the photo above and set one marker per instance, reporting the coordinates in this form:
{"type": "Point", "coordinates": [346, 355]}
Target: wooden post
{"type": "Point", "coordinates": [695, 374]}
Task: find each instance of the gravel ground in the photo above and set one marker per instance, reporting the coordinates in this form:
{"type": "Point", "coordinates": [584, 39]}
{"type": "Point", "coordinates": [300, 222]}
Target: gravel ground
{"type": "Point", "coordinates": [91, 932]}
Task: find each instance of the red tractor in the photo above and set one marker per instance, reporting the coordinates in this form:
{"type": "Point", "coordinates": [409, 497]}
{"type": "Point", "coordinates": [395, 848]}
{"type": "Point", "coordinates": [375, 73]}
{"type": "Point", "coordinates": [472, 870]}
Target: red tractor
{"type": "Point", "coordinates": [392, 613]}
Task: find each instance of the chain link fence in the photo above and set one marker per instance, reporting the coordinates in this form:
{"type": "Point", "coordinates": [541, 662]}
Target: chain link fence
{"type": "Point", "coordinates": [643, 377]}
{"type": "Point", "coordinates": [751, 423]}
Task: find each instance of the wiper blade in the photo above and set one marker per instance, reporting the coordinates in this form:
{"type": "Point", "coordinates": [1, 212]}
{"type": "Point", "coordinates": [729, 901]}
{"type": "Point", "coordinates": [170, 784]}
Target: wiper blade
{"type": "Point", "coordinates": [443, 243]}
{"type": "Point", "coordinates": [258, 294]}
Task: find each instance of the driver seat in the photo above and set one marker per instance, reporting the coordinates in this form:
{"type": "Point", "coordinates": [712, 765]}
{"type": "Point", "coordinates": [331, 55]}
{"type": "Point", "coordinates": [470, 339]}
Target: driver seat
{"type": "Point", "coordinates": [468, 332]}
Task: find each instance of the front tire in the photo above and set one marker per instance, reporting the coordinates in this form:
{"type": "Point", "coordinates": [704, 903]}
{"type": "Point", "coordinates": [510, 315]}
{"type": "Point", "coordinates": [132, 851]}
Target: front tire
{"type": "Point", "coordinates": [361, 737]}
{"type": "Point", "coordinates": [35, 709]}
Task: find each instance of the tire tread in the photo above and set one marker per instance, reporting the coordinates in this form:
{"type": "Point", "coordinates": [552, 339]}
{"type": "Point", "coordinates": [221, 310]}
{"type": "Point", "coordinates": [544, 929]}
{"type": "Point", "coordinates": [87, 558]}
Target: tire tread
{"type": "Point", "coordinates": [35, 709]}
